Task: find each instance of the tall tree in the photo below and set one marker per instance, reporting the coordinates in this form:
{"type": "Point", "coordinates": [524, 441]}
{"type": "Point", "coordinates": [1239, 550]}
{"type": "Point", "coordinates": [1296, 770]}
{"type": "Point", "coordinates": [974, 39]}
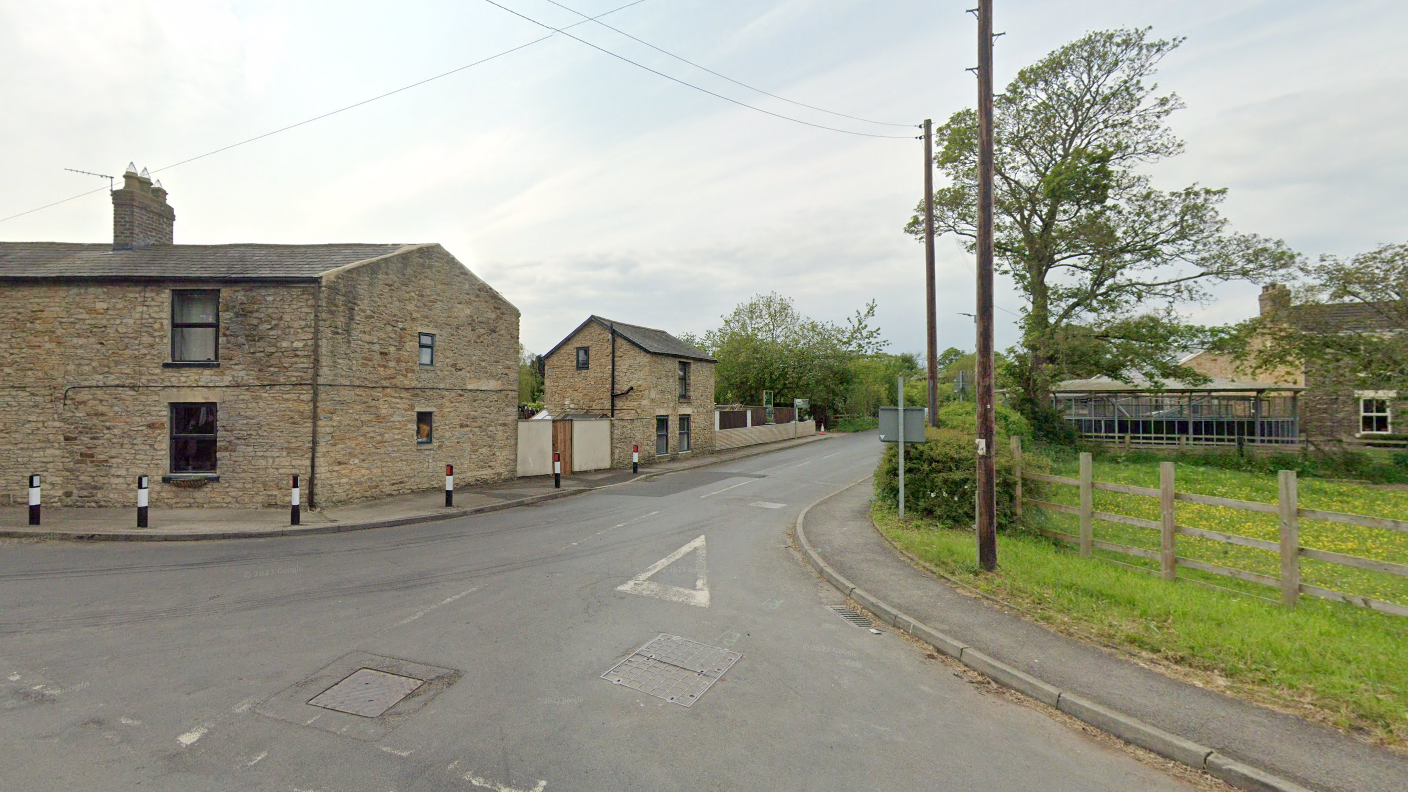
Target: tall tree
{"type": "Point", "coordinates": [1101, 256]}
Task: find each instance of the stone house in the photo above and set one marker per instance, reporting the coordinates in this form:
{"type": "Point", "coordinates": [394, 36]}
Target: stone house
{"type": "Point", "coordinates": [658, 390]}
{"type": "Point", "coordinates": [219, 371]}
{"type": "Point", "coordinates": [1335, 406]}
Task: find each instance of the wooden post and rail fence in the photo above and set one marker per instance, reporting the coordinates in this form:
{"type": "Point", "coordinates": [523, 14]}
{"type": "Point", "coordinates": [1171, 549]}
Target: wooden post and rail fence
{"type": "Point", "coordinates": [1287, 508]}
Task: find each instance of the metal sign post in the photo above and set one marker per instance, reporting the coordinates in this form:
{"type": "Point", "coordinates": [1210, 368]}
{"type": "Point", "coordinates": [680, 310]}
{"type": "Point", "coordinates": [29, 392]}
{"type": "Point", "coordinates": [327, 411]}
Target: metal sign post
{"type": "Point", "coordinates": [900, 396]}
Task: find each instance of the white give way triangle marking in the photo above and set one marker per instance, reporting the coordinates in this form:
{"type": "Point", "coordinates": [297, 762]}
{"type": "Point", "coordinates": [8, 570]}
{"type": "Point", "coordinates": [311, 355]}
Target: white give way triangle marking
{"type": "Point", "coordinates": [699, 595]}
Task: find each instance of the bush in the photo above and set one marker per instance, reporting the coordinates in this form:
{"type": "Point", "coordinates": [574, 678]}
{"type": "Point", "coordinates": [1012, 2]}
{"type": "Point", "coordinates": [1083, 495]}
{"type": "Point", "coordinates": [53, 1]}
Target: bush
{"type": "Point", "coordinates": [963, 416]}
{"type": "Point", "coordinates": [941, 478]}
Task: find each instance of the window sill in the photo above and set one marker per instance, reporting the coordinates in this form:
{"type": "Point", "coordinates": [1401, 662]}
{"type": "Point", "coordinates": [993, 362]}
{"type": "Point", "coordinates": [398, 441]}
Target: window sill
{"type": "Point", "coordinates": [191, 364]}
{"type": "Point", "coordinates": [173, 477]}
{"type": "Point", "coordinates": [425, 446]}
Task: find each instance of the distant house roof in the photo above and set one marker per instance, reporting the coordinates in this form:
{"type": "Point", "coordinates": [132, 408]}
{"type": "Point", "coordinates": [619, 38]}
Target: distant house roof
{"type": "Point", "coordinates": [1142, 385]}
{"type": "Point", "coordinates": [62, 260]}
{"type": "Point", "coordinates": [656, 342]}
{"type": "Point", "coordinates": [1334, 317]}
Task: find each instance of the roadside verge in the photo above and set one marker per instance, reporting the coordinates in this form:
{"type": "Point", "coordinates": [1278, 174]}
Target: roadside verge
{"type": "Point", "coordinates": [1127, 727]}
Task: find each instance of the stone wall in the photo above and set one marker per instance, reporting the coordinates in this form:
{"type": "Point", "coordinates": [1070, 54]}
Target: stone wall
{"type": "Point", "coordinates": [371, 383]}
{"type": "Point", "coordinates": [654, 390]}
{"type": "Point", "coordinates": [85, 395]}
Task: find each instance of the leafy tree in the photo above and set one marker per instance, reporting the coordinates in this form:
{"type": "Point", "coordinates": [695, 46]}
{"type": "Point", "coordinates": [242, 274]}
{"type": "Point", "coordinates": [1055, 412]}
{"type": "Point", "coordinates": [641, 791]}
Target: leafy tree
{"type": "Point", "coordinates": [766, 344]}
{"type": "Point", "coordinates": [1373, 353]}
{"type": "Point", "coordinates": [530, 376]}
{"type": "Point", "coordinates": [1101, 256]}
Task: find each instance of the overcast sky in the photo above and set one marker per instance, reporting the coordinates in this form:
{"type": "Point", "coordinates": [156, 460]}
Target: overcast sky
{"type": "Point", "coordinates": [575, 183]}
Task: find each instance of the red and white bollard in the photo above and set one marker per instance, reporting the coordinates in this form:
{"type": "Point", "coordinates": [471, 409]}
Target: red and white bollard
{"type": "Point", "coordinates": [556, 470]}
{"type": "Point", "coordinates": [141, 501]}
{"type": "Point", "coordinates": [34, 499]}
{"type": "Point", "coordinates": [293, 511]}
{"type": "Point", "coordinates": [635, 459]}
{"type": "Point", "coordinates": [449, 485]}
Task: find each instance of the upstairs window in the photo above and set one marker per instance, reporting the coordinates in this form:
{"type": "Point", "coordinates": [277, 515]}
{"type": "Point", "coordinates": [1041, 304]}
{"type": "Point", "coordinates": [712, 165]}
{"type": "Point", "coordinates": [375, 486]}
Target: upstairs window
{"type": "Point", "coordinates": [1374, 416]}
{"type": "Point", "coordinates": [193, 437]}
{"type": "Point", "coordinates": [583, 358]}
{"type": "Point", "coordinates": [684, 380]}
{"type": "Point", "coordinates": [427, 349]}
{"type": "Point", "coordinates": [195, 325]}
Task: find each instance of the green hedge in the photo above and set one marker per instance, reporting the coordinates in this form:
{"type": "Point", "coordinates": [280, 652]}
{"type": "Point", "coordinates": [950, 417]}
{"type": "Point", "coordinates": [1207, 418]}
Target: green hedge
{"type": "Point", "coordinates": [963, 416]}
{"type": "Point", "coordinates": [941, 477]}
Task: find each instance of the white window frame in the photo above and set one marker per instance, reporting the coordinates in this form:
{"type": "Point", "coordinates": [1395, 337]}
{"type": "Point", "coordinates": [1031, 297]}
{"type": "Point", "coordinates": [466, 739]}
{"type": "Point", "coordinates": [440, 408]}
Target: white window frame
{"type": "Point", "coordinates": [1386, 414]}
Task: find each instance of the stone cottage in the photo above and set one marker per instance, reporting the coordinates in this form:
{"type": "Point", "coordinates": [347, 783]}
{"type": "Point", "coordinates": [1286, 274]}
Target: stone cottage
{"type": "Point", "coordinates": [658, 390]}
{"type": "Point", "coordinates": [1335, 406]}
{"type": "Point", "coordinates": [222, 370]}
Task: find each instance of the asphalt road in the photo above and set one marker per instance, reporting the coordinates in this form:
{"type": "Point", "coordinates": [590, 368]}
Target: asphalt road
{"type": "Point", "coordinates": [187, 666]}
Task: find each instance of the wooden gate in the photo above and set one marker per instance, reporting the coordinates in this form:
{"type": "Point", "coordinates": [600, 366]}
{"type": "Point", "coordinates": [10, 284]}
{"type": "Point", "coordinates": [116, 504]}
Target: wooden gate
{"type": "Point", "coordinates": [562, 444]}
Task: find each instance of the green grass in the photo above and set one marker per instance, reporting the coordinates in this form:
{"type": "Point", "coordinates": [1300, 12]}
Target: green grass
{"type": "Point", "coordinates": [1347, 497]}
{"type": "Point", "coordinates": [1327, 661]}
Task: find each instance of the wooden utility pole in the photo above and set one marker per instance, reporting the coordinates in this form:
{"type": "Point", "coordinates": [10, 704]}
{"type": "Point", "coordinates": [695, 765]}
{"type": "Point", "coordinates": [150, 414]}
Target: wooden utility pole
{"type": "Point", "coordinates": [984, 395]}
{"type": "Point", "coordinates": [932, 351]}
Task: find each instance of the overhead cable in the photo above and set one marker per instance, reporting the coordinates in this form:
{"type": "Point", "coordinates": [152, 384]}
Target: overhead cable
{"type": "Point", "coordinates": [726, 77]}
{"type": "Point", "coordinates": [333, 112]}
{"type": "Point", "coordinates": [692, 85]}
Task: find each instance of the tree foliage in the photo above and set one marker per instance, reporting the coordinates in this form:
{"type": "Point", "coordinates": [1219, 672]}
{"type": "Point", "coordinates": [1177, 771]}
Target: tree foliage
{"type": "Point", "coordinates": [530, 376]}
{"type": "Point", "coordinates": [1101, 255]}
{"type": "Point", "coordinates": [765, 343]}
{"type": "Point", "coordinates": [1372, 352]}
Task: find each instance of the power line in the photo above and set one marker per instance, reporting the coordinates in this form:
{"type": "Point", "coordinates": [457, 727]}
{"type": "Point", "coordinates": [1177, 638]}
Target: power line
{"type": "Point", "coordinates": [692, 85]}
{"type": "Point", "coordinates": [334, 112]}
{"type": "Point", "coordinates": [726, 77]}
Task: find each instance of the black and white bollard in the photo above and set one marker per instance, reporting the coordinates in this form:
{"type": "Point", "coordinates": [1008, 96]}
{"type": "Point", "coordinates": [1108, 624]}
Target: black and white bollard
{"type": "Point", "coordinates": [34, 499]}
{"type": "Point", "coordinates": [635, 459]}
{"type": "Point", "coordinates": [293, 510]}
{"type": "Point", "coordinates": [556, 470]}
{"type": "Point", "coordinates": [141, 501]}
{"type": "Point", "coordinates": [449, 485]}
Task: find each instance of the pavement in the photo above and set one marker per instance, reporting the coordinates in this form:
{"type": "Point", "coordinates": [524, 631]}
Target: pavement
{"type": "Point", "coordinates": [192, 666]}
{"type": "Point", "coordinates": [119, 524]}
{"type": "Point", "coordinates": [1246, 745]}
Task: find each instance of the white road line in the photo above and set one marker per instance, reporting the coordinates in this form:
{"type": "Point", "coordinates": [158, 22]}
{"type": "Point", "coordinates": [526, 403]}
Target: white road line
{"type": "Point", "coordinates": [726, 489]}
{"type": "Point", "coordinates": [484, 783]}
{"type": "Point", "coordinates": [698, 596]}
{"type": "Point", "coordinates": [445, 601]}
{"type": "Point", "coordinates": [405, 753]}
{"type": "Point", "coordinates": [256, 760]}
{"type": "Point", "coordinates": [189, 738]}
{"type": "Point", "coordinates": [828, 456]}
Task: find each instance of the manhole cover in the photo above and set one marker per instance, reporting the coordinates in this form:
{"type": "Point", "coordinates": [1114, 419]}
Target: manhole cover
{"type": "Point", "coordinates": [852, 617]}
{"type": "Point", "coordinates": [672, 668]}
{"type": "Point", "coordinates": [366, 692]}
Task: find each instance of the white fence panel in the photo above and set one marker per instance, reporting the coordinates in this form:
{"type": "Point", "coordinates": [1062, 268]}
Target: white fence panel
{"type": "Point", "coordinates": [591, 445]}
{"type": "Point", "coordinates": [534, 448]}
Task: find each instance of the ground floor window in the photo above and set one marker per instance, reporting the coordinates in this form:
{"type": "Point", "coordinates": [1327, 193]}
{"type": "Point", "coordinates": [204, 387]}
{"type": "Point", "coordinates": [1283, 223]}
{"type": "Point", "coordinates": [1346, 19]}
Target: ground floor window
{"type": "Point", "coordinates": [193, 437]}
{"type": "Point", "coordinates": [684, 433]}
{"type": "Point", "coordinates": [425, 430]}
{"type": "Point", "coordinates": [662, 435]}
{"type": "Point", "coordinates": [1374, 416]}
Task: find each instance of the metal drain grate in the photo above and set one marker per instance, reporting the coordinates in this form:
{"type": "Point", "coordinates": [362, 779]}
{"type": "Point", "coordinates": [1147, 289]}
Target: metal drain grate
{"type": "Point", "coordinates": [366, 692]}
{"type": "Point", "coordinates": [672, 668]}
{"type": "Point", "coordinates": [852, 617]}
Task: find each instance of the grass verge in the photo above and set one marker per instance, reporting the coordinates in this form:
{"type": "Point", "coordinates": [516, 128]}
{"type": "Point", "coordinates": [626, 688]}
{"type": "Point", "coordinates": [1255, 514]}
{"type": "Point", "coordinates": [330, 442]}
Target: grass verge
{"type": "Point", "coordinates": [1328, 662]}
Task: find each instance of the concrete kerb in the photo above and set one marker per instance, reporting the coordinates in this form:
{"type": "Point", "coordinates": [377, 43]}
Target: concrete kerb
{"type": "Point", "coordinates": [450, 514]}
{"type": "Point", "coordinates": [1121, 725]}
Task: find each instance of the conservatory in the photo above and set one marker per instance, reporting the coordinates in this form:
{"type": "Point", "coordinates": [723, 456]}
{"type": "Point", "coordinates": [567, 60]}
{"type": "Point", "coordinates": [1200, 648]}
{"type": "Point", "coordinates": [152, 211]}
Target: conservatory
{"type": "Point", "coordinates": [1216, 413]}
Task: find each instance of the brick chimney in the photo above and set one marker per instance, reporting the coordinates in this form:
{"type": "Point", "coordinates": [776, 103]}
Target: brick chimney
{"type": "Point", "coordinates": [140, 215]}
{"type": "Point", "coordinates": [1275, 298]}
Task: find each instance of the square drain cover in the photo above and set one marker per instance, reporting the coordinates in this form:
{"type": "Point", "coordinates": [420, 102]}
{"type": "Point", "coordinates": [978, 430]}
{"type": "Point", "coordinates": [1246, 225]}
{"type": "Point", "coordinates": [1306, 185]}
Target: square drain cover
{"type": "Point", "coordinates": [672, 668]}
{"type": "Point", "coordinates": [360, 695]}
{"type": "Point", "coordinates": [367, 693]}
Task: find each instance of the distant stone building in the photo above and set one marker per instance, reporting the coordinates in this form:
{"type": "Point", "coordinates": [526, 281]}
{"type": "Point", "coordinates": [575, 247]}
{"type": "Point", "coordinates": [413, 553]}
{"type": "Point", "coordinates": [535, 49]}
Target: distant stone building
{"type": "Point", "coordinates": [658, 389]}
{"type": "Point", "coordinates": [221, 370]}
{"type": "Point", "coordinates": [1335, 405]}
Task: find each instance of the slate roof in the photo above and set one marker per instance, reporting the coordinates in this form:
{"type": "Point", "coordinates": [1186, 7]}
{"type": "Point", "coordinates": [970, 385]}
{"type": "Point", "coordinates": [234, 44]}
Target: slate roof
{"type": "Point", "coordinates": [43, 260]}
{"type": "Point", "coordinates": [656, 342]}
{"type": "Point", "coordinates": [1353, 316]}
